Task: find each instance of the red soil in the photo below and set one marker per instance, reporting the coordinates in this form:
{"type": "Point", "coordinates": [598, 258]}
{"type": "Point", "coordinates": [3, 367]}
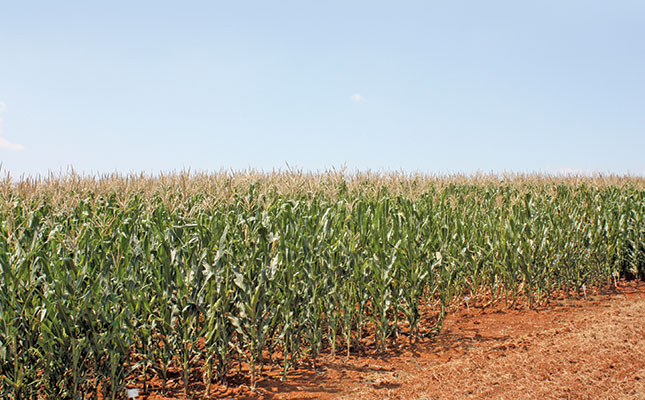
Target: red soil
{"type": "Point", "coordinates": [571, 349]}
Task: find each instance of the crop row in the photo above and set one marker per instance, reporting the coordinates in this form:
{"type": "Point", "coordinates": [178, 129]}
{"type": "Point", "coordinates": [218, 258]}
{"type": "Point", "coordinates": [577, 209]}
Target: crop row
{"type": "Point", "coordinates": [118, 288]}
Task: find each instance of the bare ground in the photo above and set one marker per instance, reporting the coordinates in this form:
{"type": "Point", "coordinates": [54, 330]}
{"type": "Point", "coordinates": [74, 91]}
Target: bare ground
{"type": "Point", "coordinates": [592, 350]}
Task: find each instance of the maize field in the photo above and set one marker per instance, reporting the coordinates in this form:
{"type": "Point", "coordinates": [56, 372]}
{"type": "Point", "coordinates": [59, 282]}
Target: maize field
{"type": "Point", "coordinates": [110, 281]}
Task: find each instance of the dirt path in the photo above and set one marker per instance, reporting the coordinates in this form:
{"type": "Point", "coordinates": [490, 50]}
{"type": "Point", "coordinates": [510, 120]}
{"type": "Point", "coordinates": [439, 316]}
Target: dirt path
{"type": "Point", "coordinates": [592, 349]}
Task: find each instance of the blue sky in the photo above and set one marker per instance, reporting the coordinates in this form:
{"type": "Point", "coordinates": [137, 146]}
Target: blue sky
{"type": "Point", "coordinates": [434, 87]}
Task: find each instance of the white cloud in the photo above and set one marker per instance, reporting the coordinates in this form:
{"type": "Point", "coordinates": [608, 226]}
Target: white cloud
{"type": "Point", "coordinates": [357, 98]}
{"type": "Point", "coordinates": [5, 144]}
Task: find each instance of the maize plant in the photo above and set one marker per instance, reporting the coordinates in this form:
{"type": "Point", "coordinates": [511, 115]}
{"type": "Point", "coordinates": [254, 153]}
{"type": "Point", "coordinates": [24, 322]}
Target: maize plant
{"type": "Point", "coordinates": [117, 282]}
